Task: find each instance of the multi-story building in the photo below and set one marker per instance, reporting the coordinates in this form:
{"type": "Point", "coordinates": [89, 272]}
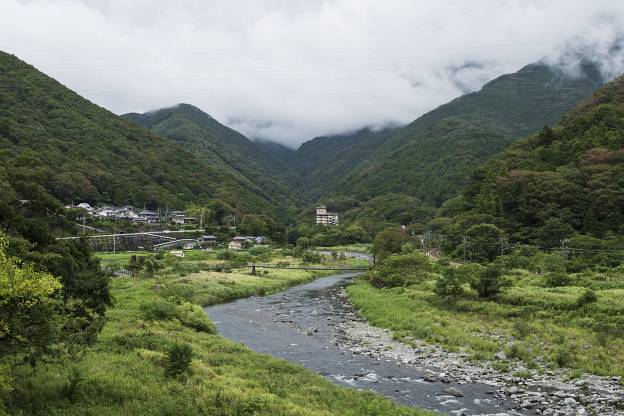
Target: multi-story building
{"type": "Point", "coordinates": [325, 218]}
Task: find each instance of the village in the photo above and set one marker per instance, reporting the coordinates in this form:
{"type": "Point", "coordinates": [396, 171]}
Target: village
{"type": "Point", "coordinates": [144, 231]}
{"type": "Point", "coordinates": [186, 233]}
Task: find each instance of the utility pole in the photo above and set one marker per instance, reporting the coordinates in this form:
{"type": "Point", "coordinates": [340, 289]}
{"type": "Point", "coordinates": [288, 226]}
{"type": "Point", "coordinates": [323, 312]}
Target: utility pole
{"type": "Point", "coordinates": [114, 236]}
{"type": "Point", "coordinates": [201, 220]}
{"type": "Point", "coordinates": [466, 240]}
{"type": "Point", "coordinates": [564, 253]}
{"type": "Point", "coordinates": [503, 243]}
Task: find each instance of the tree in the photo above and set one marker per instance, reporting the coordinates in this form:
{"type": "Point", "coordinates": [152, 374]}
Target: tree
{"type": "Point", "coordinates": [450, 285]}
{"type": "Point", "coordinates": [401, 270]}
{"type": "Point", "coordinates": [303, 242]}
{"type": "Point", "coordinates": [489, 281]}
{"type": "Point", "coordinates": [484, 242]}
{"type": "Point", "coordinates": [178, 361]}
{"type": "Point", "coordinates": [28, 307]}
{"type": "Point", "coordinates": [389, 241]}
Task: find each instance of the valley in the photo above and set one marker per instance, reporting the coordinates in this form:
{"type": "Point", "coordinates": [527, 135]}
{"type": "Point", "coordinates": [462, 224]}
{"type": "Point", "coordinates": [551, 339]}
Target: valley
{"type": "Point", "coordinates": [469, 262]}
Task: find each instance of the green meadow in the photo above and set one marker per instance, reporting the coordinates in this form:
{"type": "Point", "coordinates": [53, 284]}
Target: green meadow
{"type": "Point", "coordinates": [545, 327]}
{"type": "Point", "coordinates": [131, 369]}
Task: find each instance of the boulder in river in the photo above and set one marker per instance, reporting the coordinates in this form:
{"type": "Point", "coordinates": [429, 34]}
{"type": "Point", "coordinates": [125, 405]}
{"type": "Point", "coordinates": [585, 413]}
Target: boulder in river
{"type": "Point", "coordinates": [454, 392]}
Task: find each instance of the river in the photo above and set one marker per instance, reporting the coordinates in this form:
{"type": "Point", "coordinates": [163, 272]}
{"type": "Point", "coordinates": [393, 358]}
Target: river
{"type": "Point", "coordinates": [302, 325]}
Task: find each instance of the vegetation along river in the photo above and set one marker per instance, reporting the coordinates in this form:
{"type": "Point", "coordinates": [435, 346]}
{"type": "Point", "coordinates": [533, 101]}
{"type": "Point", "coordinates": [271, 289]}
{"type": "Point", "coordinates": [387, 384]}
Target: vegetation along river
{"type": "Point", "coordinates": [305, 325]}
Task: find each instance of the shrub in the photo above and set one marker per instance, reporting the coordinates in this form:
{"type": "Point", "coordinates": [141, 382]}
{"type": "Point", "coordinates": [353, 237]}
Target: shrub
{"type": "Point", "coordinates": [490, 281]}
{"type": "Point", "coordinates": [564, 356]}
{"type": "Point", "coordinates": [588, 296]}
{"type": "Point", "coordinates": [556, 279]}
{"type": "Point", "coordinates": [193, 316]}
{"type": "Point", "coordinates": [303, 242]}
{"type": "Point", "coordinates": [225, 255]}
{"type": "Point", "coordinates": [310, 257]}
{"type": "Point", "coordinates": [521, 328]}
{"type": "Point", "coordinates": [389, 241]}
{"type": "Point", "coordinates": [401, 270]}
{"type": "Point", "coordinates": [450, 284]}
{"type": "Point", "coordinates": [178, 360]}
{"type": "Point", "coordinates": [158, 309]}
{"type": "Point", "coordinates": [70, 388]}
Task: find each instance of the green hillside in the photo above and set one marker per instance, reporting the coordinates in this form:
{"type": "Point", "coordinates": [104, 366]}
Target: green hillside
{"type": "Point", "coordinates": [323, 161]}
{"type": "Point", "coordinates": [81, 152]}
{"type": "Point", "coordinates": [432, 157]}
{"type": "Point", "coordinates": [562, 181]}
{"type": "Point", "coordinates": [221, 147]}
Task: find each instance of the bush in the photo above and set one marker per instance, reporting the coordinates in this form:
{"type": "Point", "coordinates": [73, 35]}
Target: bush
{"type": "Point", "coordinates": [178, 360]}
{"type": "Point", "coordinates": [556, 279]}
{"type": "Point", "coordinates": [310, 257]}
{"type": "Point", "coordinates": [158, 309]}
{"type": "Point", "coordinates": [401, 270]}
{"type": "Point", "coordinates": [490, 281]}
{"type": "Point", "coordinates": [225, 255]}
{"type": "Point", "coordinates": [389, 241]}
{"type": "Point", "coordinates": [193, 316]}
{"type": "Point", "coordinates": [563, 356]}
{"type": "Point", "coordinates": [450, 284]}
{"type": "Point", "coordinates": [521, 328]}
{"type": "Point", "coordinates": [70, 388]}
{"type": "Point", "coordinates": [303, 242]}
{"type": "Point", "coordinates": [588, 296]}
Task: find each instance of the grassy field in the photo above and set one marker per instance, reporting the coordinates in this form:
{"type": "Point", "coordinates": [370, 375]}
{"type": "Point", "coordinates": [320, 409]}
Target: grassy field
{"type": "Point", "coordinates": [356, 247]}
{"type": "Point", "coordinates": [544, 327]}
{"type": "Point", "coordinates": [124, 372]}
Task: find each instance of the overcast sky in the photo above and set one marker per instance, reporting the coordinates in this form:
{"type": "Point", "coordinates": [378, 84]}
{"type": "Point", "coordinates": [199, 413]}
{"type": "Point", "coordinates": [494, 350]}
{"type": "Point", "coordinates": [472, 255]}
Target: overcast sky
{"type": "Point", "coordinates": [289, 70]}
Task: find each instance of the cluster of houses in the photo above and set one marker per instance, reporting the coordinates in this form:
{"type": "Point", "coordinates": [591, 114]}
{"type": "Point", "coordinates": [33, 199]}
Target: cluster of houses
{"type": "Point", "coordinates": [237, 243]}
{"type": "Point", "coordinates": [130, 213]}
{"type": "Point", "coordinates": [241, 242]}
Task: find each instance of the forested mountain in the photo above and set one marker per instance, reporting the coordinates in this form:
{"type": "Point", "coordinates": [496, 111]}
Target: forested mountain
{"type": "Point", "coordinates": [79, 151]}
{"type": "Point", "coordinates": [565, 180]}
{"type": "Point", "coordinates": [222, 147]}
{"type": "Point", "coordinates": [432, 157]}
{"type": "Point", "coordinates": [323, 161]}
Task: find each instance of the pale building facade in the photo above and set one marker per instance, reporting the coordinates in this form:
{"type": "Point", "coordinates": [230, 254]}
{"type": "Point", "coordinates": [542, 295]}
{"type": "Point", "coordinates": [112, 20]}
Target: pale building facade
{"type": "Point", "coordinates": [325, 218]}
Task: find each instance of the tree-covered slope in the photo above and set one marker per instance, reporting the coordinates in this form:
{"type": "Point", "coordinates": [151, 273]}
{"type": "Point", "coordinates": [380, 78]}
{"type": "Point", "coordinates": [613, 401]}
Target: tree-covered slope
{"type": "Point", "coordinates": [323, 161]}
{"type": "Point", "coordinates": [432, 157]}
{"type": "Point", "coordinates": [80, 151]}
{"type": "Point", "coordinates": [219, 146]}
{"type": "Point", "coordinates": [565, 180]}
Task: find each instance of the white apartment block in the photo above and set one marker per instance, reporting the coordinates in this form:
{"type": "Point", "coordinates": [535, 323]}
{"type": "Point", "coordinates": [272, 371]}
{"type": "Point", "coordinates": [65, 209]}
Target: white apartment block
{"type": "Point", "coordinates": [326, 218]}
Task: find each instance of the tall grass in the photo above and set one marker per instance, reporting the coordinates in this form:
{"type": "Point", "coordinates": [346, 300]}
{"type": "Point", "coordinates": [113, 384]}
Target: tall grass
{"type": "Point", "coordinates": [125, 372]}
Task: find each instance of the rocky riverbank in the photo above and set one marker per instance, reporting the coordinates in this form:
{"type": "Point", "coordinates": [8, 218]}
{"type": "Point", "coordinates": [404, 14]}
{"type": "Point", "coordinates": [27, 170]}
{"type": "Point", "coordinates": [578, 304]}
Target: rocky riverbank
{"type": "Point", "coordinates": [545, 393]}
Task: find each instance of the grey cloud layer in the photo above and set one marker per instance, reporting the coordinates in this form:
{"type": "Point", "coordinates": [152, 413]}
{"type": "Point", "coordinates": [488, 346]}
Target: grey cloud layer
{"type": "Point", "coordinates": [290, 70]}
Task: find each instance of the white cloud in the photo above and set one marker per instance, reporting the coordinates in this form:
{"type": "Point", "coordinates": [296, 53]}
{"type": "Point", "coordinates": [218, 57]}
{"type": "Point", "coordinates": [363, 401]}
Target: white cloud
{"type": "Point", "coordinates": [292, 69]}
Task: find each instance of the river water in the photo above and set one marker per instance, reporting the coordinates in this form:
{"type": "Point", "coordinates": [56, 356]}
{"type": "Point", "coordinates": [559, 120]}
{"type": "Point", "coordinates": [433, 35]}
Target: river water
{"type": "Point", "coordinates": [301, 325]}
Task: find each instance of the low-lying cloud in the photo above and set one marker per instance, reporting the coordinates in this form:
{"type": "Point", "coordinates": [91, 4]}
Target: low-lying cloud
{"type": "Point", "coordinates": [289, 70]}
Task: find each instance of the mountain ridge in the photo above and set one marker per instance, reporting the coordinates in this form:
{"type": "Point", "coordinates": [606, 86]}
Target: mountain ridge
{"type": "Point", "coordinates": [79, 151]}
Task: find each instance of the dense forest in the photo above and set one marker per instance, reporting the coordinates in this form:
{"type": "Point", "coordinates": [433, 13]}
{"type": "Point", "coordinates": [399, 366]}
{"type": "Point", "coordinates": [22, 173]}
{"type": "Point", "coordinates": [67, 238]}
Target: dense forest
{"type": "Point", "coordinates": [223, 148]}
{"type": "Point", "coordinates": [81, 152]}
{"type": "Point", "coordinates": [560, 182]}
{"type": "Point", "coordinates": [432, 157]}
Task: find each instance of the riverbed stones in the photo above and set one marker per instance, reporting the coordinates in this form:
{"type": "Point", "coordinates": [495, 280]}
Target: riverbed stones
{"type": "Point", "coordinates": [569, 401]}
{"type": "Point", "coordinates": [453, 391]}
{"type": "Point", "coordinates": [544, 391]}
